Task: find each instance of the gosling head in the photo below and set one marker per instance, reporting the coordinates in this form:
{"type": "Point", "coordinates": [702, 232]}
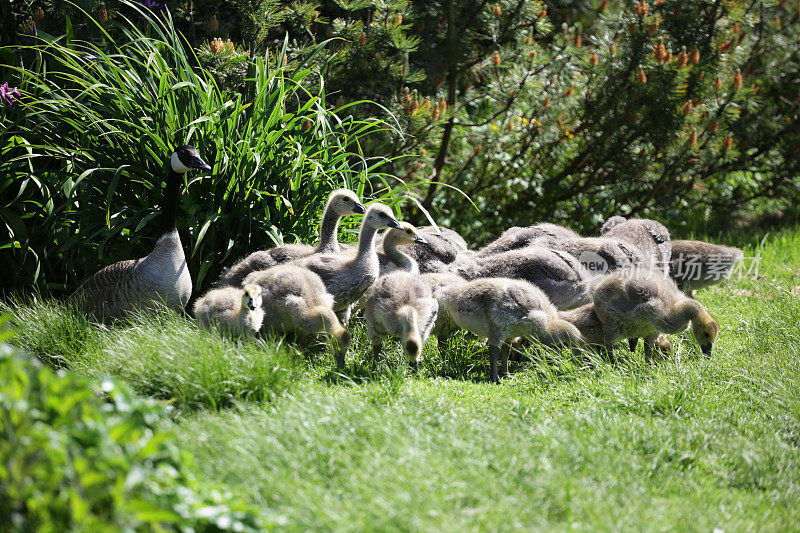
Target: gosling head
{"type": "Point", "coordinates": [706, 331]}
{"type": "Point", "coordinates": [251, 297]}
{"type": "Point", "coordinates": [345, 202]}
{"type": "Point", "coordinates": [186, 158]}
{"type": "Point", "coordinates": [380, 216]}
{"type": "Point", "coordinates": [405, 234]}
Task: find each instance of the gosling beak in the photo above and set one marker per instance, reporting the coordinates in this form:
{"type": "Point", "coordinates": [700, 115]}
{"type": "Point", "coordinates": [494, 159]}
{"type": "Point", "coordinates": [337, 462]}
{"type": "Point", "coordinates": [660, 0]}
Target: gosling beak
{"type": "Point", "coordinates": [195, 161]}
{"type": "Point", "coordinates": [359, 209]}
{"type": "Point", "coordinates": [706, 349]}
{"type": "Point", "coordinates": [392, 223]}
{"type": "Point", "coordinates": [420, 240]}
{"type": "Point", "coordinates": [251, 305]}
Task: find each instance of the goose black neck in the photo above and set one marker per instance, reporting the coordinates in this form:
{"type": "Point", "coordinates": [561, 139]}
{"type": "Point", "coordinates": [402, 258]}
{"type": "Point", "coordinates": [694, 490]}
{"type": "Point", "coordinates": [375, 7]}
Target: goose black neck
{"type": "Point", "coordinates": [169, 206]}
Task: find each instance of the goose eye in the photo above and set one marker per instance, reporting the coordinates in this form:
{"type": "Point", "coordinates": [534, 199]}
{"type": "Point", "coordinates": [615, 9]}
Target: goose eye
{"type": "Point", "coordinates": [408, 231]}
{"type": "Point", "coordinates": [383, 215]}
{"type": "Point", "coordinates": [707, 335]}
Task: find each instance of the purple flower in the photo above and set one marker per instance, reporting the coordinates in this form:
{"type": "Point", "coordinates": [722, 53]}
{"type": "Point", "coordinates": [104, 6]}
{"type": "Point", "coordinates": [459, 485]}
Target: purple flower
{"type": "Point", "coordinates": [155, 7]}
{"type": "Point", "coordinates": [8, 94]}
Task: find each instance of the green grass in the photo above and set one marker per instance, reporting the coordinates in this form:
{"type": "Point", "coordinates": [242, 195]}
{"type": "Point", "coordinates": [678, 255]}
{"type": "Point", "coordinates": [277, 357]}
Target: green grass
{"type": "Point", "coordinates": [686, 443]}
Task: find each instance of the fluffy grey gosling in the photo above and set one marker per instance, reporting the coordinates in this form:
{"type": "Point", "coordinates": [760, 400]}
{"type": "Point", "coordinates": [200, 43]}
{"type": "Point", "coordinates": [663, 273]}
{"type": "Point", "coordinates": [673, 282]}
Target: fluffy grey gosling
{"type": "Point", "coordinates": [392, 259]}
{"type": "Point", "coordinates": [341, 202]}
{"type": "Point", "coordinates": [696, 264]}
{"type": "Point", "coordinates": [517, 237]}
{"type": "Point", "coordinates": [232, 310]}
{"type": "Point", "coordinates": [162, 276]}
{"type": "Point", "coordinates": [294, 299]}
{"type": "Point", "coordinates": [649, 236]}
{"type": "Point", "coordinates": [401, 305]}
{"type": "Point", "coordinates": [502, 309]}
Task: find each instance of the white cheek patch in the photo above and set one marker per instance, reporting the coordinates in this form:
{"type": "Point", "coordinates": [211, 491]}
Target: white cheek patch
{"type": "Point", "coordinates": [257, 302]}
{"type": "Point", "coordinates": [177, 164]}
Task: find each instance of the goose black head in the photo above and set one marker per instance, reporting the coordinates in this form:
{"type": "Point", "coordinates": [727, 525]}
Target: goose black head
{"type": "Point", "coordinates": [186, 158]}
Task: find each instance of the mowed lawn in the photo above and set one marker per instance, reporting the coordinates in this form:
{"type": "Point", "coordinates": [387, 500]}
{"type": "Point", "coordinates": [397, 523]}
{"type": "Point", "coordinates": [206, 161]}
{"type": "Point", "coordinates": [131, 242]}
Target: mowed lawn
{"type": "Point", "coordinates": [685, 443]}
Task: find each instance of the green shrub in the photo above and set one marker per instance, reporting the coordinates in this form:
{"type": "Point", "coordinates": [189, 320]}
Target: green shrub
{"type": "Point", "coordinates": [76, 454]}
{"type": "Point", "coordinates": [84, 154]}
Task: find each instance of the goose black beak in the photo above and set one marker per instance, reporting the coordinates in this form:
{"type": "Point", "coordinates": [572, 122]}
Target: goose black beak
{"type": "Point", "coordinates": [706, 349]}
{"type": "Point", "coordinates": [251, 305]}
{"type": "Point", "coordinates": [359, 209]}
{"type": "Point", "coordinates": [195, 161]}
{"type": "Point", "coordinates": [392, 223]}
{"type": "Point", "coordinates": [420, 240]}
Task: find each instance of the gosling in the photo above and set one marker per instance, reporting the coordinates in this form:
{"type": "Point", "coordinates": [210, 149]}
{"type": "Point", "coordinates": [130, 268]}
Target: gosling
{"type": "Point", "coordinates": [696, 264]}
{"type": "Point", "coordinates": [440, 249]}
{"type": "Point", "coordinates": [517, 237]}
{"type": "Point", "coordinates": [649, 236]}
{"type": "Point", "coordinates": [234, 311]}
{"type": "Point", "coordinates": [294, 299]}
{"type": "Point", "coordinates": [503, 309]}
{"type": "Point", "coordinates": [341, 202]}
{"type": "Point", "coordinates": [639, 303]}
{"type": "Point", "coordinates": [400, 305]}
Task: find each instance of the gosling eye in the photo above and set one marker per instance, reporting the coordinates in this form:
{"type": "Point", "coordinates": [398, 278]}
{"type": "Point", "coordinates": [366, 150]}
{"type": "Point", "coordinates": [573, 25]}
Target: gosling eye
{"type": "Point", "coordinates": [707, 335]}
{"type": "Point", "coordinates": [382, 215]}
{"type": "Point", "coordinates": [408, 231]}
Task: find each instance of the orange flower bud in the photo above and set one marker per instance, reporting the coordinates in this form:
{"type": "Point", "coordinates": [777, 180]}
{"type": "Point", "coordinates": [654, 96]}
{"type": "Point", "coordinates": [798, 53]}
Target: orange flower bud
{"type": "Point", "coordinates": [213, 24]}
{"type": "Point", "coordinates": [435, 113]}
{"type": "Point", "coordinates": [541, 14]}
{"type": "Point", "coordinates": [478, 149]}
{"type": "Point", "coordinates": [718, 84]}
{"type": "Point", "coordinates": [533, 54]}
{"type": "Point", "coordinates": [683, 59]}
{"type": "Point", "coordinates": [529, 40]}
{"type": "Point", "coordinates": [496, 10]}
{"type": "Point", "coordinates": [362, 39]}
{"type": "Point", "coordinates": [612, 48]}
{"type": "Point", "coordinates": [593, 59]}
{"type": "Point", "coordinates": [496, 59]}
{"type": "Point", "coordinates": [687, 108]}
{"type": "Point", "coordinates": [511, 125]}
{"type": "Point", "coordinates": [398, 19]}
{"type": "Point", "coordinates": [652, 28]}
{"type": "Point", "coordinates": [641, 77]}
{"type": "Point", "coordinates": [443, 106]}
{"type": "Point", "coordinates": [603, 5]}
{"type": "Point", "coordinates": [695, 57]}
{"type": "Point", "coordinates": [713, 125]}
{"type": "Point", "coordinates": [727, 144]}
{"type": "Point", "coordinates": [701, 75]}
{"type": "Point", "coordinates": [693, 138]}
{"type": "Point", "coordinates": [724, 47]}
{"type": "Point", "coordinates": [102, 14]}
{"type": "Point", "coordinates": [578, 41]}
{"type": "Point", "coordinates": [641, 9]}
{"type": "Point", "coordinates": [38, 13]}
{"type": "Point", "coordinates": [735, 28]}
{"type": "Point", "coordinates": [737, 80]}
{"type": "Point", "coordinates": [546, 103]}
{"type": "Point", "coordinates": [569, 92]}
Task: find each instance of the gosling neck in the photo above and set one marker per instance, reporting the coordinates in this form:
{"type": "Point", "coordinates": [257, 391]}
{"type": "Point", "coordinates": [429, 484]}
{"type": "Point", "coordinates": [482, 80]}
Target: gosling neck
{"type": "Point", "coordinates": [401, 259]}
{"type": "Point", "coordinates": [366, 243]}
{"type": "Point", "coordinates": [169, 205]}
{"type": "Point", "coordinates": [686, 310]}
{"type": "Point", "coordinates": [328, 231]}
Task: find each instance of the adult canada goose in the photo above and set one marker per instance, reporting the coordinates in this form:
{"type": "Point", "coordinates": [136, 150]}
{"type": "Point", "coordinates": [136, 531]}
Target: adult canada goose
{"type": "Point", "coordinates": [231, 309]}
{"type": "Point", "coordinates": [437, 252]}
{"type": "Point", "coordinates": [348, 277]}
{"type": "Point", "coordinates": [391, 258]}
{"type": "Point", "coordinates": [649, 236]}
{"type": "Point", "coordinates": [521, 237]}
{"type": "Point", "coordinates": [502, 309]}
{"type": "Point", "coordinates": [558, 274]}
{"type": "Point", "coordinates": [161, 276]}
{"type": "Point", "coordinates": [341, 202]}
{"type": "Point", "coordinates": [598, 255]}
{"type": "Point", "coordinates": [294, 299]}
{"type": "Point", "coordinates": [697, 264]}
{"type": "Point", "coordinates": [642, 303]}
{"type": "Point", "coordinates": [401, 305]}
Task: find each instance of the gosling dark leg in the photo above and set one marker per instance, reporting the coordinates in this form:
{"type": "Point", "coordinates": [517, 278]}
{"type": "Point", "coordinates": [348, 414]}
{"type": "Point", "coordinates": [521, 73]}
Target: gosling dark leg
{"type": "Point", "coordinates": [494, 351]}
{"type": "Point", "coordinates": [504, 351]}
{"type": "Point", "coordinates": [633, 343]}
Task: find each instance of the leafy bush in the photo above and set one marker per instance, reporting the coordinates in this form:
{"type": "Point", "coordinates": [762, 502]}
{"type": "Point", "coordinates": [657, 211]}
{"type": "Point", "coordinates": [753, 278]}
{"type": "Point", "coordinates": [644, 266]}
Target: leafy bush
{"type": "Point", "coordinates": [84, 154]}
{"type": "Point", "coordinates": [71, 459]}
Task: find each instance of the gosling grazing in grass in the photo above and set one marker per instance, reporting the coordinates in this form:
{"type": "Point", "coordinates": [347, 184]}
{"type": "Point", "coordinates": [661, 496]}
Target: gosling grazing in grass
{"type": "Point", "coordinates": [341, 202]}
{"type": "Point", "coordinates": [502, 309]}
{"type": "Point", "coordinates": [640, 303]}
{"type": "Point", "coordinates": [401, 305]}
{"type": "Point", "coordinates": [161, 276]}
{"type": "Point", "coordinates": [649, 236]}
{"type": "Point", "coordinates": [696, 264]}
{"type": "Point", "coordinates": [392, 259]}
{"type": "Point", "coordinates": [294, 299]}
{"type": "Point", "coordinates": [348, 277]}
{"type": "Point", "coordinates": [558, 274]}
{"type": "Point", "coordinates": [232, 310]}
{"type": "Point", "coordinates": [521, 237]}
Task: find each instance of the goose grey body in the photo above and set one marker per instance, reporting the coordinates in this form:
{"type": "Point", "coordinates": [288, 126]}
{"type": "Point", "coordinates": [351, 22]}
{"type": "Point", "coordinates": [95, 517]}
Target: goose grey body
{"type": "Point", "coordinates": [348, 277]}
{"type": "Point", "coordinates": [558, 274]}
{"type": "Point", "coordinates": [696, 264]}
{"type": "Point", "coordinates": [447, 234]}
{"type": "Point", "coordinates": [641, 303]}
{"type": "Point", "coordinates": [598, 255]}
{"type": "Point", "coordinates": [502, 309]}
{"type": "Point", "coordinates": [401, 305]}
{"type": "Point", "coordinates": [233, 310]}
{"type": "Point", "coordinates": [294, 299]}
{"type": "Point", "coordinates": [341, 202]}
{"type": "Point", "coordinates": [649, 236]}
{"type": "Point", "coordinates": [521, 237]}
{"type": "Point", "coordinates": [160, 277]}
